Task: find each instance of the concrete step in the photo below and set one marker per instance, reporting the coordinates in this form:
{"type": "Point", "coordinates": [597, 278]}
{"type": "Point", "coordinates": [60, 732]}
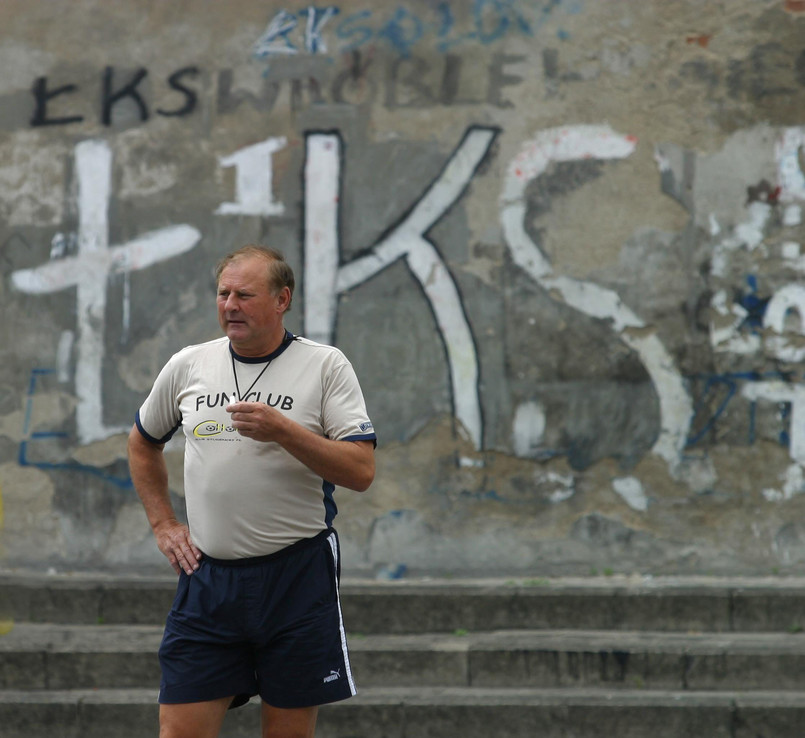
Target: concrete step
{"type": "Point", "coordinates": [437, 713]}
{"type": "Point", "coordinates": [718, 605]}
{"type": "Point", "coordinates": [635, 657]}
{"type": "Point", "coordinates": [587, 659]}
{"type": "Point", "coordinates": [43, 656]}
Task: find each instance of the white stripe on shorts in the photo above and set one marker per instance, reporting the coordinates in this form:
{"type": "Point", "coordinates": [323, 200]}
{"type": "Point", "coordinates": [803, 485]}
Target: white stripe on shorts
{"type": "Point", "coordinates": [334, 548]}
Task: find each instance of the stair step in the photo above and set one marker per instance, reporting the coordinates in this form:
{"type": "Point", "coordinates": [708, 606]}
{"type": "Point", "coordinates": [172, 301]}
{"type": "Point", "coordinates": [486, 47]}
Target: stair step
{"type": "Point", "coordinates": [718, 605]}
{"type": "Point", "coordinates": [635, 657]}
{"type": "Point", "coordinates": [618, 603]}
{"type": "Point", "coordinates": [46, 656]}
{"type": "Point", "coordinates": [437, 713]}
{"type": "Point", "coordinates": [550, 658]}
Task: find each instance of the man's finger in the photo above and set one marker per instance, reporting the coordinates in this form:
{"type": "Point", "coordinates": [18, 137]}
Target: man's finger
{"type": "Point", "coordinates": [184, 562]}
{"type": "Point", "coordinates": [239, 407]}
{"type": "Point", "coordinates": [189, 558]}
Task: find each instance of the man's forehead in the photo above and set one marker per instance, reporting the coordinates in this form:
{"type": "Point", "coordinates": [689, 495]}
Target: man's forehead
{"type": "Point", "coordinates": [245, 269]}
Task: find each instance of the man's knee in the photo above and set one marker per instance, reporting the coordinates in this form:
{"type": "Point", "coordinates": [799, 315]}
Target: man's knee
{"type": "Point", "coordinates": [193, 720]}
{"type": "Point", "coordinates": [281, 723]}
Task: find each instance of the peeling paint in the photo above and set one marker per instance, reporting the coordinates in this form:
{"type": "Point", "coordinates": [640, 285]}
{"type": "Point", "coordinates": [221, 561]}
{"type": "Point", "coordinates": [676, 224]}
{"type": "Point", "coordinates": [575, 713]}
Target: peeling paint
{"type": "Point", "coordinates": [573, 143]}
{"type": "Point", "coordinates": [631, 490]}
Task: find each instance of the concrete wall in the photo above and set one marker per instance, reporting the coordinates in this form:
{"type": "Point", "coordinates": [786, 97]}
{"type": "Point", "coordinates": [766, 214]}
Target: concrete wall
{"type": "Point", "coordinates": [560, 240]}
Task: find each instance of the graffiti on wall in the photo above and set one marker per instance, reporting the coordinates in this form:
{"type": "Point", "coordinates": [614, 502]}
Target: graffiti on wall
{"type": "Point", "coordinates": [403, 84]}
{"type": "Point", "coordinates": [573, 144]}
{"type": "Point", "coordinates": [112, 94]}
{"type": "Point", "coordinates": [88, 272]}
{"type": "Point", "coordinates": [404, 240]}
{"type": "Point", "coordinates": [343, 67]}
{"type": "Point", "coordinates": [352, 72]}
{"type": "Point", "coordinates": [325, 32]}
{"type": "Point", "coordinates": [96, 260]}
{"type": "Point", "coordinates": [771, 325]}
{"type": "Point", "coordinates": [322, 30]}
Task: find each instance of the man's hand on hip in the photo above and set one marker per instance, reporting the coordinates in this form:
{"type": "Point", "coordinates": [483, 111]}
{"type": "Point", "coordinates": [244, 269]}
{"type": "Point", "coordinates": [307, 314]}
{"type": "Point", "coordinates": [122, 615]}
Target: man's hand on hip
{"type": "Point", "coordinates": [173, 539]}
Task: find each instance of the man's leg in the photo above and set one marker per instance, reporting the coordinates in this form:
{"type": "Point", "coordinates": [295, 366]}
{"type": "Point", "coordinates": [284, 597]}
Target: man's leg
{"type": "Point", "coordinates": [296, 723]}
{"type": "Point", "coordinates": [193, 720]}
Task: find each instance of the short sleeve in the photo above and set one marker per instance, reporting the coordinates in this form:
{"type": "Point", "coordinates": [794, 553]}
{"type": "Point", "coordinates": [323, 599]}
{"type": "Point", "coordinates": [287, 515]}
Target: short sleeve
{"type": "Point", "coordinates": [159, 416]}
{"type": "Point", "coordinates": [344, 415]}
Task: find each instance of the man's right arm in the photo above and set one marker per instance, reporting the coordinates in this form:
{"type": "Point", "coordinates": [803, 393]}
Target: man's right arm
{"type": "Point", "coordinates": [149, 472]}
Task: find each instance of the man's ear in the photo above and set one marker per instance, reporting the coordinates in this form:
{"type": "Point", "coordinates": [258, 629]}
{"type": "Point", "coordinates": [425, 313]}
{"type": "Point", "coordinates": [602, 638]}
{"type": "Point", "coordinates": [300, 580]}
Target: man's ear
{"type": "Point", "coordinates": [284, 299]}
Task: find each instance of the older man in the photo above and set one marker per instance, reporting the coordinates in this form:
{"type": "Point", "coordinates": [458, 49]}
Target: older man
{"type": "Point", "coordinates": [272, 423]}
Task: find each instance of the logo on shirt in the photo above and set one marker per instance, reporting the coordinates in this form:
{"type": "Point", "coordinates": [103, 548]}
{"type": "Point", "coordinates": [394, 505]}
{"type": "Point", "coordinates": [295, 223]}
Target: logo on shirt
{"type": "Point", "coordinates": [366, 426]}
{"type": "Point", "coordinates": [222, 399]}
{"type": "Point", "coordinates": [210, 428]}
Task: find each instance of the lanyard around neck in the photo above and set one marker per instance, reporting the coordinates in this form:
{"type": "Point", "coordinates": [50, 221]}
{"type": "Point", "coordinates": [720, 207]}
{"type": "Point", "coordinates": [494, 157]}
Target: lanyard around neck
{"type": "Point", "coordinates": [289, 338]}
{"type": "Point", "coordinates": [251, 386]}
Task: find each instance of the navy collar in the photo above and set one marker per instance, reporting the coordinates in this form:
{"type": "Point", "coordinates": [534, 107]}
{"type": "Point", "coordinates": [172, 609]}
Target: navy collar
{"type": "Point", "coordinates": [287, 341]}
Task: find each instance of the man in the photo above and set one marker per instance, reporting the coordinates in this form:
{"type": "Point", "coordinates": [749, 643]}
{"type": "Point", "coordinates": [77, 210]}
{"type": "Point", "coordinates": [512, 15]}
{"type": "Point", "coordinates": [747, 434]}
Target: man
{"type": "Point", "coordinates": [272, 422]}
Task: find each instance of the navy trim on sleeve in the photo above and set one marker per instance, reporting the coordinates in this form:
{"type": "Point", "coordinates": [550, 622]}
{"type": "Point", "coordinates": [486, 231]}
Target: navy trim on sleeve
{"type": "Point", "coordinates": [149, 437]}
{"type": "Point", "coordinates": [368, 437]}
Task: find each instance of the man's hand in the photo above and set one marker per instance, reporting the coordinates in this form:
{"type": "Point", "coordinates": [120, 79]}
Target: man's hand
{"type": "Point", "coordinates": [344, 463]}
{"type": "Point", "coordinates": [173, 539]}
{"type": "Point", "coordinates": [150, 476]}
{"type": "Point", "coordinates": [257, 420]}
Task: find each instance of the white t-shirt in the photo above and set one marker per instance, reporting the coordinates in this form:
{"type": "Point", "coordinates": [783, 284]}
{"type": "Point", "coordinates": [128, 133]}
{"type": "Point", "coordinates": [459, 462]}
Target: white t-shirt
{"type": "Point", "coordinates": [244, 497]}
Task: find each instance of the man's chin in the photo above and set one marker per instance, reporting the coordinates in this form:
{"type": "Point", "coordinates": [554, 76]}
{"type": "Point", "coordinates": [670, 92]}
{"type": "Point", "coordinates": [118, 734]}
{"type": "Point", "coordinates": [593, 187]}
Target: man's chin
{"type": "Point", "coordinates": [235, 331]}
{"type": "Point", "coordinates": [237, 339]}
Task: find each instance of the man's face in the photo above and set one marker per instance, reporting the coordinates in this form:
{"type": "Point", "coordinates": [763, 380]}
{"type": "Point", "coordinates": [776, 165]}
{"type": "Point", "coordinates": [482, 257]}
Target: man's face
{"type": "Point", "coordinates": [248, 310]}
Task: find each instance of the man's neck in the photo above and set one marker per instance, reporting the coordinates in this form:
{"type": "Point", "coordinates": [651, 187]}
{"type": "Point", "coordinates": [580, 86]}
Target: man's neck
{"type": "Point", "coordinates": [250, 351]}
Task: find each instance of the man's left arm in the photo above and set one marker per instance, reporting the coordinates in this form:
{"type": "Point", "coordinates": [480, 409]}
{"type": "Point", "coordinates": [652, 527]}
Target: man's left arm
{"type": "Point", "coordinates": [348, 464]}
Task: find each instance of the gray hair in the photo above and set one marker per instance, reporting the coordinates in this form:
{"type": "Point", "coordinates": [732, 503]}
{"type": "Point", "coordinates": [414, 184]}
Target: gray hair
{"type": "Point", "coordinates": [279, 271]}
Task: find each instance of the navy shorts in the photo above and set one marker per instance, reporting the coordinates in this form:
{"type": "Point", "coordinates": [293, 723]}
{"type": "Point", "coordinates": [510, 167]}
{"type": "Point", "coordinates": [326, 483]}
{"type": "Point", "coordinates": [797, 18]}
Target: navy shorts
{"type": "Point", "coordinates": [270, 626]}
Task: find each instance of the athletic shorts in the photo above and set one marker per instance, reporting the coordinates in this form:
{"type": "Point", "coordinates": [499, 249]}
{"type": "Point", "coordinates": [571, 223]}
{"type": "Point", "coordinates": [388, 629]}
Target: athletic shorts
{"type": "Point", "coordinates": [269, 625]}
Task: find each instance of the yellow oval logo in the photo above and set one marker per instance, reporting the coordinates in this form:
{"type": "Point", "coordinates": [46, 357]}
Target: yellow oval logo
{"type": "Point", "coordinates": [208, 428]}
